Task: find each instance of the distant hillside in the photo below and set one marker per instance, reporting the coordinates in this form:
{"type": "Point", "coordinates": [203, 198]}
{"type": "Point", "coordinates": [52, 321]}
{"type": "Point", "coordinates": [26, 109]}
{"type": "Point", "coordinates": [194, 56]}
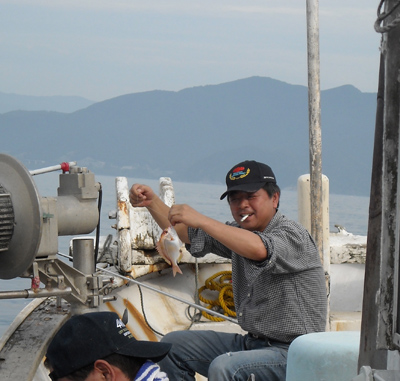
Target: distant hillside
{"type": "Point", "coordinates": [198, 133]}
{"type": "Point", "coordinates": [15, 102]}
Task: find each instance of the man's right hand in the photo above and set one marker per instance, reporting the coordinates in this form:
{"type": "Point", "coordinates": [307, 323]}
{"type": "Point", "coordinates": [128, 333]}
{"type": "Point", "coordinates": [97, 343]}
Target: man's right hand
{"type": "Point", "coordinates": [141, 195]}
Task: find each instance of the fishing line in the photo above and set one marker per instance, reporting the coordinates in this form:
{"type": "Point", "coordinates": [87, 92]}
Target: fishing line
{"type": "Point", "coordinates": [144, 313]}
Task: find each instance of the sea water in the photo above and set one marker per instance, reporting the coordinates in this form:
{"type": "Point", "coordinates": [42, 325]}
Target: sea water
{"type": "Point", "coordinates": [350, 212]}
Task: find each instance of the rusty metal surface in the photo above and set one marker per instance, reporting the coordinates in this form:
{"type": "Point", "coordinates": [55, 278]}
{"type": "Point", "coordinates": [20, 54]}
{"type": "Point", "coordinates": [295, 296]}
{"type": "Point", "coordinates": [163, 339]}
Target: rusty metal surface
{"type": "Point", "coordinates": [24, 350]}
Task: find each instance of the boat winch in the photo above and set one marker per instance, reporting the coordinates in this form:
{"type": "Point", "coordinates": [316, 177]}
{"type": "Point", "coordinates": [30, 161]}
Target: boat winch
{"type": "Point", "coordinates": [6, 218]}
{"type": "Point", "coordinates": [30, 226]}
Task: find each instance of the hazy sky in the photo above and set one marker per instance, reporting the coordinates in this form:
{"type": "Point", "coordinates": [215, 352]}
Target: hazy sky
{"type": "Point", "coordinates": [100, 49]}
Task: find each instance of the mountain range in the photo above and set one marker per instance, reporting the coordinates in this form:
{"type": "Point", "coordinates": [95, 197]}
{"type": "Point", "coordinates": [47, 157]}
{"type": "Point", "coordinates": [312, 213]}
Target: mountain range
{"type": "Point", "coordinates": [15, 102]}
{"type": "Point", "coordinates": [197, 134]}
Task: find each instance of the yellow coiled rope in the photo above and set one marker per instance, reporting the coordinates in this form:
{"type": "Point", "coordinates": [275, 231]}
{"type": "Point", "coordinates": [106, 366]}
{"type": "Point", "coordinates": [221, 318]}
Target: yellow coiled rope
{"type": "Point", "coordinates": [223, 286]}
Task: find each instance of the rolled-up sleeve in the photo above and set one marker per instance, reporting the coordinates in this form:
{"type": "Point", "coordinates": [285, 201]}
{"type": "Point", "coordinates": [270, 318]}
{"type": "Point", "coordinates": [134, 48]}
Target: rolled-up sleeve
{"type": "Point", "coordinates": [202, 243]}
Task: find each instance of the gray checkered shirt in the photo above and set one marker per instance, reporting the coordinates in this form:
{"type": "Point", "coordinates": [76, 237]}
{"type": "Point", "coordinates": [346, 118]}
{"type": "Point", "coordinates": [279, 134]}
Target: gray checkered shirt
{"type": "Point", "coordinates": [285, 295]}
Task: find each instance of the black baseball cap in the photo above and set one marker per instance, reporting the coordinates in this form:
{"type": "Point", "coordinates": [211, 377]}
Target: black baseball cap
{"type": "Point", "coordinates": [83, 339]}
{"type": "Point", "coordinates": [248, 176]}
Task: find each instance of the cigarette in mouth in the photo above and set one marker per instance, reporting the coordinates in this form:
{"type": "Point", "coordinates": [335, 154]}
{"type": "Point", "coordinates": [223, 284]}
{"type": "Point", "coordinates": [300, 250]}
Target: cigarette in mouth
{"type": "Point", "coordinates": [244, 217]}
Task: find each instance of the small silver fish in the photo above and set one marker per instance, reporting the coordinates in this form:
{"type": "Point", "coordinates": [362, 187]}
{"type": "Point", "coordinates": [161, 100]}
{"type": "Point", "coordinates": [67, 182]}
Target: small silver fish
{"type": "Point", "coordinates": [170, 248]}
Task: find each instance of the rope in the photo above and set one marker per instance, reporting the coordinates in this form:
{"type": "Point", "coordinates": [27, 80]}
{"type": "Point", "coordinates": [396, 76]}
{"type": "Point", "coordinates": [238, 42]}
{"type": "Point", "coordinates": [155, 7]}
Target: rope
{"type": "Point", "coordinates": [383, 15]}
{"type": "Point", "coordinates": [224, 300]}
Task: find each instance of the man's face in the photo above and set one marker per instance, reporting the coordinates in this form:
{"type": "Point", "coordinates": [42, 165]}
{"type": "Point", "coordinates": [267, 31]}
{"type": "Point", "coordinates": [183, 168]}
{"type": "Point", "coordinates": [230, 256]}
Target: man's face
{"type": "Point", "coordinates": [258, 206]}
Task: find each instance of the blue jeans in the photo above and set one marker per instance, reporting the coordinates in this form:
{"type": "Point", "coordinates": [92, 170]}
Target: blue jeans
{"type": "Point", "coordinates": [223, 357]}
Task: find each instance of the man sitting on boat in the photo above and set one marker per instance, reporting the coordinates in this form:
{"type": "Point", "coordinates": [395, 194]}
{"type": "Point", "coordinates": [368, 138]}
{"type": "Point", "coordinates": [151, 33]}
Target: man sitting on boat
{"type": "Point", "coordinates": [278, 280]}
{"type": "Point", "coordinates": [98, 346]}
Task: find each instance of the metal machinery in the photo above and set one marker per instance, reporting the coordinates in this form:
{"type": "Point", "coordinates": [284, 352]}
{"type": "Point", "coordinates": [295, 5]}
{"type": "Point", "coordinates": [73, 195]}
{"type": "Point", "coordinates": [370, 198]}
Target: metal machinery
{"type": "Point", "coordinates": [29, 230]}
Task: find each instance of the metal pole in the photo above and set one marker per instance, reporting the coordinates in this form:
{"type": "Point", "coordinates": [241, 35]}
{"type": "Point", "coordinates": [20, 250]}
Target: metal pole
{"type": "Point", "coordinates": [83, 258]}
{"type": "Point", "coordinates": [314, 112]}
{"type": "Point", "coordinates": [63, 166]}
{"type": "Point", "coordinates": [38, 293]}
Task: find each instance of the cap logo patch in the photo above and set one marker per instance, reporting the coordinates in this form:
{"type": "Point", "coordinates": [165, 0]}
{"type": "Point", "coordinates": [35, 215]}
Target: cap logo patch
{"type": "Point", "coordinates": [119, 323]}
{"type": "Point", "coordinates": [122, 329]}
{"type": "Point", "coordinates": [239, 173]}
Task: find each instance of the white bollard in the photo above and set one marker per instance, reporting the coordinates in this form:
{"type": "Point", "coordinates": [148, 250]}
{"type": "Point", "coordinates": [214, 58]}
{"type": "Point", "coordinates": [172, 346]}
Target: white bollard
{"type": "Point", "coordinates": [304, 212]}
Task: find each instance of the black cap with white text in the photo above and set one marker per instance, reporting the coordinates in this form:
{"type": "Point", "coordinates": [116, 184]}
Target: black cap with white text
{"type": "Point", "coordinates": [85, 338]}
{"type": "Point", "coordinates": [248, 176]}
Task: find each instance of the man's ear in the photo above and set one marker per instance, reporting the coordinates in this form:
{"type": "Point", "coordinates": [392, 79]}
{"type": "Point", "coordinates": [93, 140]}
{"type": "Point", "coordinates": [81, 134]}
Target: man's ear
{"type": "Point", "coordinates": [104, 368]}
{"type": "Point", "coordinates": [108, 372]}
{"type": "Point", "coordinates": [275, 199]}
